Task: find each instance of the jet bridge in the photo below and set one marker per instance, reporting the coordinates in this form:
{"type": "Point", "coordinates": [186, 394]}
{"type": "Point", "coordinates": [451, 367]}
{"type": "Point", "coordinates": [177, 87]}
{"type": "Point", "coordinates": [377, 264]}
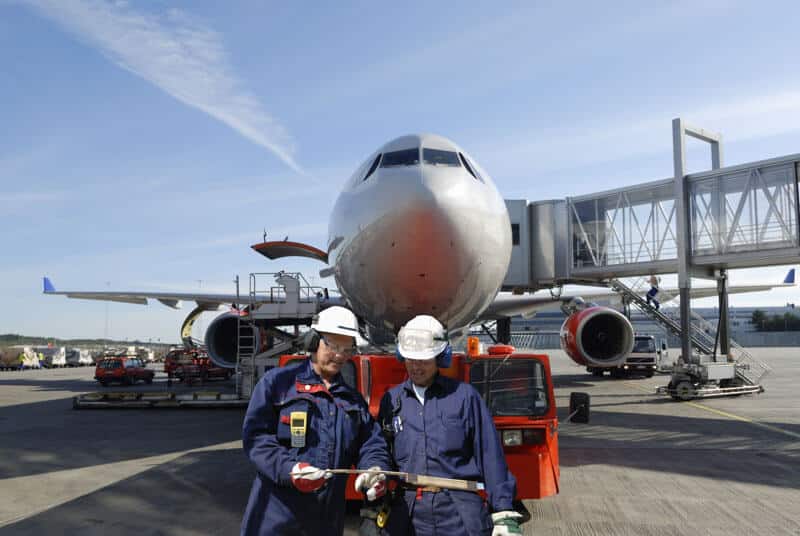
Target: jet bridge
{"type": "Point", "coordinates": [738, 217]}
{"type": "Point", "coordinates": [698, 225]}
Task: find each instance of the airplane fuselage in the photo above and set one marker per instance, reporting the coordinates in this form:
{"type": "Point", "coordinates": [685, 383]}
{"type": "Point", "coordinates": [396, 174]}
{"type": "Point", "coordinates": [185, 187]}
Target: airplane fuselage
{"type": "Point", "coordinates": [419, 228]}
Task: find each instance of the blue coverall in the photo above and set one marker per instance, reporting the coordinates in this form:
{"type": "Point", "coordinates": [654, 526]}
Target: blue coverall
{"type": "Point", "coordinates": [340, 432]}
{"type": "Point", "coordinates": [452, 435]}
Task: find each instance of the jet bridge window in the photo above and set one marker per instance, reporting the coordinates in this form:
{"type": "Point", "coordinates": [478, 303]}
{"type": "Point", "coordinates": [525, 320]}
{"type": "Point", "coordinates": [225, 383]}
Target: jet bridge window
{"type": "Point", "coordinates": [514, 234]}
{"type": "Point", "coordinates": [437, 157]}
{"type": "Point", "coordinates": [406, 157]}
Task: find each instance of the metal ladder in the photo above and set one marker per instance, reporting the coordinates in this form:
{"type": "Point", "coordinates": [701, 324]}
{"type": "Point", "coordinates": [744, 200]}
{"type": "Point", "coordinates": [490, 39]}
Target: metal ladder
{"type": "Point", "coordinates": [245, 348]}
{"type": "Point", "coordinates": [748, 369]}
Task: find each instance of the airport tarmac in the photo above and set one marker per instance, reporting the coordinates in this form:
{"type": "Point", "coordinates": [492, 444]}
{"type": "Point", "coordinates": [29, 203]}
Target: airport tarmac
{"type": "Point", "coordinates": [644, 465]}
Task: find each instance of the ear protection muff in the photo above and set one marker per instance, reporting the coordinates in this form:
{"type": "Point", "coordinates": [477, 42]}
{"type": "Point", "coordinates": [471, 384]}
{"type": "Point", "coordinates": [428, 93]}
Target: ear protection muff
{"type": "Point", "coordinates": [311, 341]}
{"type": "Point", "coordinates": [398, 356]}
{"type": "Point", "coordinates": [444, 359]}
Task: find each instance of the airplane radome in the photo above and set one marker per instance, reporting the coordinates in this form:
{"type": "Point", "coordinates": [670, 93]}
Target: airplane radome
{"type": "Point", "coordinates": [419, 228]}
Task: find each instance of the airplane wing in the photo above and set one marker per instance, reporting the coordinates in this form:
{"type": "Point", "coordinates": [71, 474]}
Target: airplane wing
{"type": "Point", "coordinates": [529, 304]}
{"type": "Point", "coordinates": [170, 299]}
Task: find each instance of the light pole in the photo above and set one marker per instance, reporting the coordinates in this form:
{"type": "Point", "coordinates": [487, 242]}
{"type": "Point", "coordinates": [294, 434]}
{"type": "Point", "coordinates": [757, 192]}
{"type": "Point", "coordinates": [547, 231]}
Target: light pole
{"type": "Point", "coordinates": [108, 321]}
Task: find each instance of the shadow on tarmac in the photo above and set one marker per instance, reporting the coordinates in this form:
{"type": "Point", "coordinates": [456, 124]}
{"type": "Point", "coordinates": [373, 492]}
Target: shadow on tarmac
{"type": "Point", "coordinates": [198, 493]}
{"type": "Point", "coordinates": [722, 449]}
{"type": "Point", "coordinates": [50, 436]}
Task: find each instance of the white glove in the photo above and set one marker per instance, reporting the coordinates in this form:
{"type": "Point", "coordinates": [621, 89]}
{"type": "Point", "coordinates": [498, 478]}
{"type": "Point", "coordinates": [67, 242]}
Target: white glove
{"type": "Point", "coordinates": [372, 484]}
{"type": "Point", "coordinates": [308, 478]}
{"type": "Point", "coordinates": [506, 522]}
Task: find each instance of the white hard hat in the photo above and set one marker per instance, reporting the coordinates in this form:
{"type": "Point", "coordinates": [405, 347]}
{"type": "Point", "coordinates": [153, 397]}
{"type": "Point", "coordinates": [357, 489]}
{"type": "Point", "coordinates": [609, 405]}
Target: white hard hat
{"type": "Point", "coordinates": [423, 337]}
{"type": "Point", "coordinates": [336, 320]}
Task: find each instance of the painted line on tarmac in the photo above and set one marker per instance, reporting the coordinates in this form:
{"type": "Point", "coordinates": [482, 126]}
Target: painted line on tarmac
{"type": "Point", "coordinates": [745, 419]}
{"type": "Point", "coordinates": [726, 414]}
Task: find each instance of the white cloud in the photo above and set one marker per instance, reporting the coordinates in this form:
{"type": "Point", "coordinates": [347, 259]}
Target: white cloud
{"type": "Point", "coordinates": [178, 55]}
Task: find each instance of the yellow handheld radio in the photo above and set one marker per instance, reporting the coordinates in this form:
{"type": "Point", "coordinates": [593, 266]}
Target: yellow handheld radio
{"type": "Point", "coordinates": [298, 420]}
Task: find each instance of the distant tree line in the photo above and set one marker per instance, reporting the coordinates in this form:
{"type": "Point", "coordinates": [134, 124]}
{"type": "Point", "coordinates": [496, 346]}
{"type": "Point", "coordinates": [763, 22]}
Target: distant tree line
{"type": "Point", "coordinates": [784, 322]}
{"type": "Point", "coordinates": [14, 339]}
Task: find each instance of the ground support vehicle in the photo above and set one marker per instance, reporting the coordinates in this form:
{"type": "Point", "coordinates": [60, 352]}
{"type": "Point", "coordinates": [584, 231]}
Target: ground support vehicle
{"type": "Point", "coordinates": [20, 359]}
{"type": "Point", "coordinates": [642, 361]}
{"type": "Point", "coordinates": [192, 366]}
{"type": "Point", "coordinates": [75, 357]}
{"type": "Point", "coordinates": [125, 370]}
{"type": "Point", "coordinates": [51, 357]}
{"type": "Point", "coordinates": [517, 389]}
{"type": "Point", "coordinates": [707, 380]}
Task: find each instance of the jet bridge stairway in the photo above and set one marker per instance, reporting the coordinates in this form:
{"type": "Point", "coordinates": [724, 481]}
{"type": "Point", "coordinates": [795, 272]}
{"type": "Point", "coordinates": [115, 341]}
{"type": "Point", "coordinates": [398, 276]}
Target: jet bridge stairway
{"type": "Point", "coordinates": [704, 377]}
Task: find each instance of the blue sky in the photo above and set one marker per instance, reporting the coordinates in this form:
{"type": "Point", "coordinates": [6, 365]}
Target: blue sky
{"type": "Point", "coordinates": [146, 145]}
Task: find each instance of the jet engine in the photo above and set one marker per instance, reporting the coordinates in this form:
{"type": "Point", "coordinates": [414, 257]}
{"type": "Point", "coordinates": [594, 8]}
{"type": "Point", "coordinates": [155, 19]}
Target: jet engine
{"type": "Point", "coordinates": [597, 336]}
{"type": "Point", "coordinates": [222, 337]}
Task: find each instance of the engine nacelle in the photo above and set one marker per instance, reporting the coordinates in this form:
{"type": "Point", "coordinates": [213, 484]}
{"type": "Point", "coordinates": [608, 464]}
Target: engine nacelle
{"type": "Point", "coordinates": [597, 336]}
{"type": "Point", "coordinates": [222, 339]}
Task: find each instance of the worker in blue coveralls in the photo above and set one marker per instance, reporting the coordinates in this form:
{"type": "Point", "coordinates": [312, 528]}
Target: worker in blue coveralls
{"type": "Point", "coordinates": [439, 426]}
{"type": "Point", "coordinates": [302, 421]}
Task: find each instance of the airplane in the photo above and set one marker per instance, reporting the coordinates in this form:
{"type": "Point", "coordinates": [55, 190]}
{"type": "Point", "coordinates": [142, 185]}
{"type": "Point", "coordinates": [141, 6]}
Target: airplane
{"type": "Point", "coordinates": [419, 228]}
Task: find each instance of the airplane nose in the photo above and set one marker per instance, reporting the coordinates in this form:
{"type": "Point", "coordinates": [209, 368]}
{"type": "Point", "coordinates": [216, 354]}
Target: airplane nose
{"type": "Point", "coordinates": [423, 249]}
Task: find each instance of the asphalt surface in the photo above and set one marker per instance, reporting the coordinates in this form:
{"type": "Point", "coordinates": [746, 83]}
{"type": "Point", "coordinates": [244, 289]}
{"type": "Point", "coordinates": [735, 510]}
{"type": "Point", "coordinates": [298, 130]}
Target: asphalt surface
{"type": "Point", "coordinates": [644, 465]}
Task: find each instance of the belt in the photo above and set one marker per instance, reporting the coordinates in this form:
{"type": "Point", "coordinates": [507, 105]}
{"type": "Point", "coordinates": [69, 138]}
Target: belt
{"type": "Point", "coordinates": [421, 489]}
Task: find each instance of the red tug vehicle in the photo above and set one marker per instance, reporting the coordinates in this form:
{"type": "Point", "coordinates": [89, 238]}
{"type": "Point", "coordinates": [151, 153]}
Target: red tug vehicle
{"type": "Point", "coordinates": [191, 366]}
{"type": "Point", "coordinates": [517, 389]}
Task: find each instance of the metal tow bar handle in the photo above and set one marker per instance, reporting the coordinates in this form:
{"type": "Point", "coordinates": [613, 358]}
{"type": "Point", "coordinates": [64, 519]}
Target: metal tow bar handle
{"type": "Point", "coordinates": [414, 479]}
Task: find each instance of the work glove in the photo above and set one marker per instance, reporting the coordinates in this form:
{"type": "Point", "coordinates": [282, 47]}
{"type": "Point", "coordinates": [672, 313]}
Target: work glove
{"type": "Point", "coordinates": [372, 484]}
{"type": "Point", "coordinates": [506, 522]}
{"type": "Point", "coordinates": [307, 478]}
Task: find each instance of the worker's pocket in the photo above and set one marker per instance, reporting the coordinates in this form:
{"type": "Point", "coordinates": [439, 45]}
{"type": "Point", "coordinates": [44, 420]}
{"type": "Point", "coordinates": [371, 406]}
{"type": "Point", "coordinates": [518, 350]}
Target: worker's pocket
{"type": "Point", "coordinates": [402, 445]}
{"type": "Point", "coordinates": [454, 436]}
{"type": "Point", "coordinates": [473, 511]}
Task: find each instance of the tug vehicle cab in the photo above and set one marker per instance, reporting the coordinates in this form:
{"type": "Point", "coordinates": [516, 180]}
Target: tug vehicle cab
{"type": "Point", "coordinates": [517, 389]}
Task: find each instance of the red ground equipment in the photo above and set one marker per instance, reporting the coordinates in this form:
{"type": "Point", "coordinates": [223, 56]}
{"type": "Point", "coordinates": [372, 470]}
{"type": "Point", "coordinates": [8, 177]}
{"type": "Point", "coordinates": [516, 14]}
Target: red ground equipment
{"type": "Point", "coordinates": [126, 370]}
{"type": "Point", "coordinates": [518, 390]}
{"type": "Point", "coordinates": [192, 365]}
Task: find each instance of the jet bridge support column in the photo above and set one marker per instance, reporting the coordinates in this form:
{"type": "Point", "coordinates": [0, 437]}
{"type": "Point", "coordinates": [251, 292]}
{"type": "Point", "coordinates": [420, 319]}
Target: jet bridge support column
{"type": "Point", "coordinates": [683, 218]}
{"type": "Point", "coordinates": [722, 330]}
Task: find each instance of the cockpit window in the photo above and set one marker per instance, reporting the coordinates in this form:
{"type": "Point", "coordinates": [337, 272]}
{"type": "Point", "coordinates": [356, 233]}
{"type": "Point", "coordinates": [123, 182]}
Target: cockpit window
{"type": "Point", "coordinates": [437, 157]}
{"type": "Point", "coordinates": [373, 167]}
{"type": "Point", "coordinates": [406, 157]}
{"type": "Point", "coordinates": [469, 168]}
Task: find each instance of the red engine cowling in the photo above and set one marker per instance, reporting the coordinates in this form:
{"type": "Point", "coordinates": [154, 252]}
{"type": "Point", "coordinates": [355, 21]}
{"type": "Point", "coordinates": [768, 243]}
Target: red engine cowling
{"type": "Point", "coordinates": [597, 336]}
